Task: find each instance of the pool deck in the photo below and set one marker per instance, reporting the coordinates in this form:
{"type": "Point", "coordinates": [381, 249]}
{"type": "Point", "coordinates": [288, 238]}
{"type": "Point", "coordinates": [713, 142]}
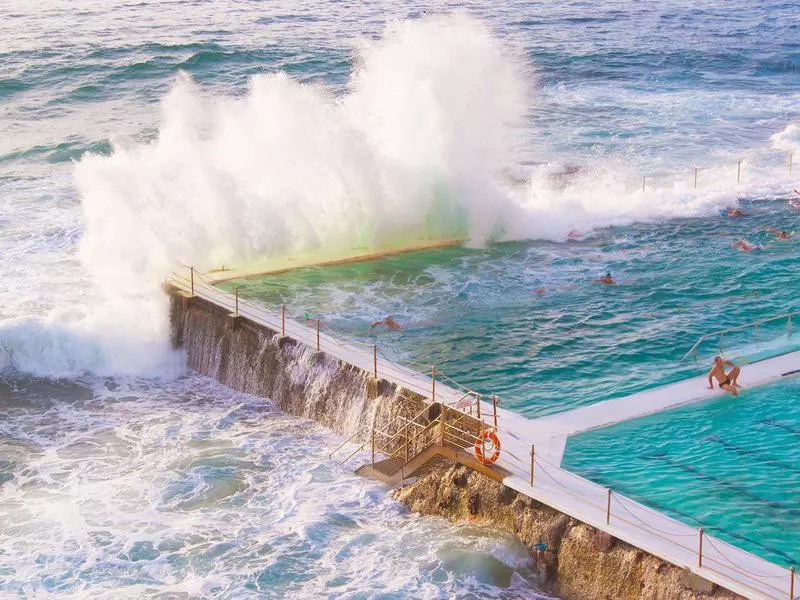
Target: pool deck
{"type": "Point", "coordinates": [550, 433]}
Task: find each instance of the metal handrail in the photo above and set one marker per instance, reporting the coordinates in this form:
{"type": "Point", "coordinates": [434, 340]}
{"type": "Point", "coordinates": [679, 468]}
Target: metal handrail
{"type": "Point", "coordinates": [722, 332]}
{"type": "Point", "coordinates": [412, 439]}
{"type": "Point", "coordinates": [353, 453]}
{"type": "Point", "coordinates": [347, 441]}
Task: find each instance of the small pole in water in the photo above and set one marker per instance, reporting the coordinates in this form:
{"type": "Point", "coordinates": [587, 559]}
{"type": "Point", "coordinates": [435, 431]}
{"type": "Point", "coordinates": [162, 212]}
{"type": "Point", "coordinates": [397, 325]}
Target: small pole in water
{"type": "Point", "coordinates": [283, 319]}
{"type": "Point", "coordinates": [789, 326]}
{"type": "Point", "coordinates": [317, 335]}
{"type": "Point", "coordinates": [700, 551]}
{"type": "Point", "coordinates": [791, 157]}
{"type": "Point", "coordinates": [739, 173]}
{"type": "Point", "coordinates": [643, 178]}
{"type": "Point", "coordinates": [494, 407]}
{"type": "Point", "coordinates": [375, 360]}
{"type": "Point", "coordinates": [236, 289]}
{"type": "Point", "coordinates": [608, 507]}
{"type": "Point", "coordinates": [533, 457]}
{"type": "Point", "coordinates": [433, 383]}
{"type": "Point", "coordinates": [695, 178]}
{"type": "Point", "coordinates": [720, 344]}
{"type": "Point", "coordinates": [191, 274]}
{"type": "Point", "coordinates": [791, 583]}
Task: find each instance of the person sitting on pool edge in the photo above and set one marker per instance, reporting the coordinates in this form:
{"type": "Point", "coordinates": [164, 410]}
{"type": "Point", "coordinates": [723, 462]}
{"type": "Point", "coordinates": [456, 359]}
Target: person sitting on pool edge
{"type": "Point", "coordinates": [388, 322]}
{"type": "Point", "coordinates": [727, 381]}
{"type": "Point", "coordinates": [607, 280]}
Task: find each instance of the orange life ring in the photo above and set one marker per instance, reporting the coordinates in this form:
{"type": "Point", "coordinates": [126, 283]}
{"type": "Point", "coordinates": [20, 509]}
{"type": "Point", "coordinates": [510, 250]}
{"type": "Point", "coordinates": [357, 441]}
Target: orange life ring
{"type": "Point", "coordinates": [481, 453]}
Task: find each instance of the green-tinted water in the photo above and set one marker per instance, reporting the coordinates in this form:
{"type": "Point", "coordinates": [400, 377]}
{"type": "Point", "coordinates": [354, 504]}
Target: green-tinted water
{"type": "Point", "coordinates": [525, 321]}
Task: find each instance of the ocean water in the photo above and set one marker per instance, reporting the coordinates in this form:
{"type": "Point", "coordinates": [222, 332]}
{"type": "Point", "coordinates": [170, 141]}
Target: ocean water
{"type": "Point", "coordinates": [137, 135]}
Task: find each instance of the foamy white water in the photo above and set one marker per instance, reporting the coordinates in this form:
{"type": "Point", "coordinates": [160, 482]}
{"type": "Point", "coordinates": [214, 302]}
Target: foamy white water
{"type": "Point", "coordinates": [181, 488]}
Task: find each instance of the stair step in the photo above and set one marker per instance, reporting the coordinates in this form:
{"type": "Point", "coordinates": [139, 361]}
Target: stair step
{"type": "Point", "coordinates": [389, 466]}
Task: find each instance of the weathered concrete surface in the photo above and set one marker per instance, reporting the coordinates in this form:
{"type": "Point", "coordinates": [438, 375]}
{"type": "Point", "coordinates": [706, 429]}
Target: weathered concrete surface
{"type": "Point", "coordinates": [579, 562]}
{"type": "Point", "coordinates": [249, 357]}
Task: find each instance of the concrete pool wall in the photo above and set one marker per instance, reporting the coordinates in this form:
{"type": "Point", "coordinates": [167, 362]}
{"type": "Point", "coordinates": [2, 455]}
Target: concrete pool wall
{"type": "Point", "coordinates": [243, 347]}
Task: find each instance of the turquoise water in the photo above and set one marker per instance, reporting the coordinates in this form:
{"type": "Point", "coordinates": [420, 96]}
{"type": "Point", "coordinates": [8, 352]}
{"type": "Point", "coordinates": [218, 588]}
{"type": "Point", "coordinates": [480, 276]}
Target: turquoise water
{"type": "Point", "coordinates": [731, 466]}
{"type": "Point", "coordinates": [136, 135]}
{"type": "Point", "coordinates": [476, 313]}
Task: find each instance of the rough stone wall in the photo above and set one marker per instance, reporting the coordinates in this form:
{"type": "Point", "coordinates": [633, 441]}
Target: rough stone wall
{"type": "Point", "coordinates": [580, 562]}
{"type": "Point", "coordinates": [249, 357]}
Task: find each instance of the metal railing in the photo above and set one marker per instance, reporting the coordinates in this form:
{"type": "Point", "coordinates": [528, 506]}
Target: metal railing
{"type": "Point", "coordinates": [598, 506]}
{"type": "Point", "coordinates": [694, 177]}
{"type": "Point", "coordinates": [754, 325]}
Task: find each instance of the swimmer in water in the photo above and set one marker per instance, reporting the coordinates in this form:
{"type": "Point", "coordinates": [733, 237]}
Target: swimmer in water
{"type": "Point", "coordinates": [606, 280]}
{"type": "Point", "coordinates": [735, 212]}
{"type": "Point", "coordinates": [780, 234]}
{"type": "Point", "coordinates": [745, 246]}
{"type": "Point", "coordinates": [388, 322]}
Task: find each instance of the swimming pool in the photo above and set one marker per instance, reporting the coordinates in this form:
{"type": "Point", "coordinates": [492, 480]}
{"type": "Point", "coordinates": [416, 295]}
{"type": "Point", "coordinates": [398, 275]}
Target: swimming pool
{"type": "Point", "coordinates": [525, 321]}
{"type": "Point", "coordinates": [731, 466]}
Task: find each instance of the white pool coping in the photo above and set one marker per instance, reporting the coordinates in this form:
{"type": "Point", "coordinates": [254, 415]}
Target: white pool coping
{"type": "Point", "coordinates": [550, 433]}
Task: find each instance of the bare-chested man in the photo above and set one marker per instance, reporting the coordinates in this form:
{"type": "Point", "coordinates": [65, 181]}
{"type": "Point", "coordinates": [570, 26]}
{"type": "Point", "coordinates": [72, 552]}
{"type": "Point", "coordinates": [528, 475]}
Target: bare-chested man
{"type": "Point", "coordinates": [388, 322]}
{"type": "Point", "coordinates": [727, 381]}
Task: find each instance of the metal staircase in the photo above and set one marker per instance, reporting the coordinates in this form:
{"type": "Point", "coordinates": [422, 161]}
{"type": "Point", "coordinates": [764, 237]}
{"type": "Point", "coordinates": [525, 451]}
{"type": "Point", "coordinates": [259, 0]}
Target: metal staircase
{"type": "Point", "coordinates": [402, 447]}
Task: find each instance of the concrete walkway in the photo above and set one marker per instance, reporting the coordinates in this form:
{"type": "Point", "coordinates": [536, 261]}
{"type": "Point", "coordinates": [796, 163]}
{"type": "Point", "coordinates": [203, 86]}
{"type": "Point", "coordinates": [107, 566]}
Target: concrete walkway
{"type": "Point", "coordinates": [540, 475]}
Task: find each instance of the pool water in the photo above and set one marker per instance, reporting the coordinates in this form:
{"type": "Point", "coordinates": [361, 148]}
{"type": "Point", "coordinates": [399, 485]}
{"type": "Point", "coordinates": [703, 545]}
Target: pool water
{"type": "Point", "coordinates": [731, 466]}
{"type": "Point", "coordinates": [524, 320]}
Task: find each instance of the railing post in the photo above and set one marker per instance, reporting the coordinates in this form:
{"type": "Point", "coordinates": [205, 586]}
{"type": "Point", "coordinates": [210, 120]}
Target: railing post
{"type": "Point", "coordinates": [191, 275]}
{"type": "Point", "coordinates": [755, 327]}
{"type": "Point", "coordinates": [283, 319]}
{"type": "Point", "coordinates": [608, 507]}
{"type": "Point", "coordinates": [375, 360]}
{"type": "Point", "coordinates": [739, 172]}
{"type": "Point", "coordinates": [441, 425]}
{"type": "Point", "coordinates": [791, 583]}
{"type": "Point", "coordinates": [643, 179]}
{"type": "Point", "coordinates": [406, 442]}
{"type": "Point", "coordinates": [433, 383]}
{"type": "Point", "coordinates": [695, 178]}
{"type": "Point", "coordinates": [533, 461]}
{"type": "Point", "coordinates": [720, 344]}
{"type": "Point", "coordinates": [317, 335]}
{"type": "Point", "coordinates": [494, 408]}
{"type": "Point", "coordinates": [236, 289]}
{"type": "Point", "coordinates": [478, 402]}
{"type": "Point", "coordinates": [700, 550]}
